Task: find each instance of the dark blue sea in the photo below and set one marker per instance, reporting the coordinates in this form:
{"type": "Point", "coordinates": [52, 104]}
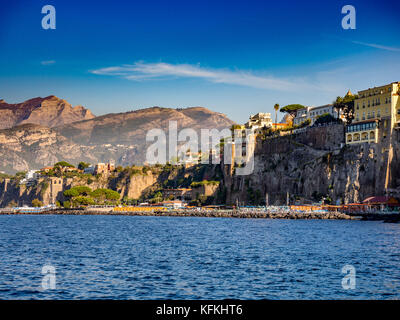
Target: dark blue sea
{"type": "Point", "coordinates": [116, 257]}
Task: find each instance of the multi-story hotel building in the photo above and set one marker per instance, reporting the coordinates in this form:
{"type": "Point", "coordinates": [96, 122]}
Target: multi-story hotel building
{"type": "Point", "coordinates": [375, 108]}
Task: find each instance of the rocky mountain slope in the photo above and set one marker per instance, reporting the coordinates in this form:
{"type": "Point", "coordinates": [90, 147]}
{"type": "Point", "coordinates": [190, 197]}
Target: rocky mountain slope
{"type": "Point", "coordinates": [31, 146]}
{"type": "Point", "coordinates": [130, 128]}
{"type": "Point", "coordinates": [119, 137]}
{"type": "Point", "coordinates": [49, 111]}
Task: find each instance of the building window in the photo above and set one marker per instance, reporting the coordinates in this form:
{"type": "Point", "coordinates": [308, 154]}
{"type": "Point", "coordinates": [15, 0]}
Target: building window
{"type": "Point", "coordinates": [363, 117]}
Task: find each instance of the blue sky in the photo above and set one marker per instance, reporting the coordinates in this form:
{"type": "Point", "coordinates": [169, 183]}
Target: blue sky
{"type": "Point", "coordinates": [234, 57]}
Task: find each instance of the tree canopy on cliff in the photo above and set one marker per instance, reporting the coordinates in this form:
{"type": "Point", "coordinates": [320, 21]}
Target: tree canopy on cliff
{"type": "Point", "coordinates": [37, 203]}
{"type": "Point", "coordinates": [105, 194]}
{"type": "Point", "coordinates": [345, 106]}
{"type": "Point", "coordinates": [77, 191]}
{"type": "Point", "coordinates": [83, 196]}
{"type": "Point", "coordinates": [325, 118]}
{"type": "Point", "coordinates": [64, 164]}
{"type": "Point", "coordinates": [291, 109]}
{"type": "Point", "coordinates": [83, 165]}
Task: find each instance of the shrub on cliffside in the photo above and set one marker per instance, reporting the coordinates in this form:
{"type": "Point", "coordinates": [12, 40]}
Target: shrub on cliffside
{"type": "Point", "coordinates": [326, 118]}
{"type": "Point", "coordinates": [196, 184]}
{"type": "Point", "coordinates": [37, 203]}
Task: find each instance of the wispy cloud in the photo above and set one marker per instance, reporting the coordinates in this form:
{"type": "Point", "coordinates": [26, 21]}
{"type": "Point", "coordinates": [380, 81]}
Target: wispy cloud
{"type": "Point", "coordinates": [140, 71]}
{"type": "Point", "coordinates": [377, 46]}
{"type": "Point", "coordinates": [47, 62]}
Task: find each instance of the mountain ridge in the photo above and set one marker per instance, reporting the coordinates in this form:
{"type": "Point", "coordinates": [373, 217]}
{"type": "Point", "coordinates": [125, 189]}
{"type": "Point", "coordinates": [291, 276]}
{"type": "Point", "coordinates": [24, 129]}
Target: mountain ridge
{"type": "Point", "coordinates": [121, 137]}
{"type": "Point", "coordinates": [49, 111]}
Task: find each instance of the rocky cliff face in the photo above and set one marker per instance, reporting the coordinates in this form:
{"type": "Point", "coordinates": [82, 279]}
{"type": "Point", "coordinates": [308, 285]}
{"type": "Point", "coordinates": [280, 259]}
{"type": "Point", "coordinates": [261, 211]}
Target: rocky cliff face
{"type": "Point", "coordinates": [314, 165]}
{"type": "Point", "coordinates": [50, 112]}
{"type": "Point", "coordinates": [132, 183]}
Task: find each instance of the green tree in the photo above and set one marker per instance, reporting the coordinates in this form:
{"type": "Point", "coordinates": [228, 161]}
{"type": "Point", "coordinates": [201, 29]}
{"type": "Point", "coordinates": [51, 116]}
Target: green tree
{"type": "Point", "coordinates": [83, 201]}
{"type": "Point", "coordinates": [64, 164]}
{"type": "Point", "coordinates": [291, 109]}
{"type": "Point", "coordinates": [37, 203]}
{"type": "Point", "coordinates": [77, 191]}
{"type": "Point", "coordinates": [325, 118]}
{"type": "Point", "coordinates": [100, 195]}
{"type": "Point", "coordinates": [21, 174]}
{"type": "Point", "coordinates": [158, 197]}
{"type": "Point", "coordinates": [67, 204]}
{"type": "Point", "coordinates": [83, 165]}
{"type": "Point", "coordinates": [345, 106]}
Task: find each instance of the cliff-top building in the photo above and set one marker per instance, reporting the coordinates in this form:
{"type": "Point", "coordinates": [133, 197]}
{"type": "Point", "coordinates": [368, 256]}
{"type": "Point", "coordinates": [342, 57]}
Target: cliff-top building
{"type": "Point", "coordinates": [375, 108]}
{"type": "Point", "coordinates": [259, 121]}
{"type": "Point", "coordinates": [312, 113]}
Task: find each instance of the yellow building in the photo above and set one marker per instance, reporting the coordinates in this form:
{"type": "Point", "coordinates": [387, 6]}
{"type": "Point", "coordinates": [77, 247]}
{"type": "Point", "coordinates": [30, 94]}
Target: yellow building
{"type": "Point", "coordinates": [374, 108]}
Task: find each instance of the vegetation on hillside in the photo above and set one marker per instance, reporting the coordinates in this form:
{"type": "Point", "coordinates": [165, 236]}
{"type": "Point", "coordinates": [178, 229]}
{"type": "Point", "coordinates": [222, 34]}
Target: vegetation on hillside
{"type": "Point", "coordinates": [83, 196]}
{"type": "Point", "coordinates": [345, 105]}
{"type": "Point", "coordinates": [326, 118]}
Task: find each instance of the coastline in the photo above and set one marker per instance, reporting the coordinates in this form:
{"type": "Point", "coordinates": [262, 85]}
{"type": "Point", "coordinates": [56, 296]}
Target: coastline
{"type": "Point", "coordinates": [206, 214]}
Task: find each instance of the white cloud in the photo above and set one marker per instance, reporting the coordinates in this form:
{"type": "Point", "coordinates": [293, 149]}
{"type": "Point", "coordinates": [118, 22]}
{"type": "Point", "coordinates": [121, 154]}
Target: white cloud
{"type": "Point", "coordinates": [47, 62]}
{"type": "Point", "coordinates": [377, 46]}
{"type": "Point", "coordinates": [140, 71]}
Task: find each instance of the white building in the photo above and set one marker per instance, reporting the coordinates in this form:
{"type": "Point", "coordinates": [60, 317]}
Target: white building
{"type": "Point", "coordinates": [30, 177]}
{"type": "Point", "coordinates": [313, 113]}
{"type": "Point", "coordinates": [259, 121]}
